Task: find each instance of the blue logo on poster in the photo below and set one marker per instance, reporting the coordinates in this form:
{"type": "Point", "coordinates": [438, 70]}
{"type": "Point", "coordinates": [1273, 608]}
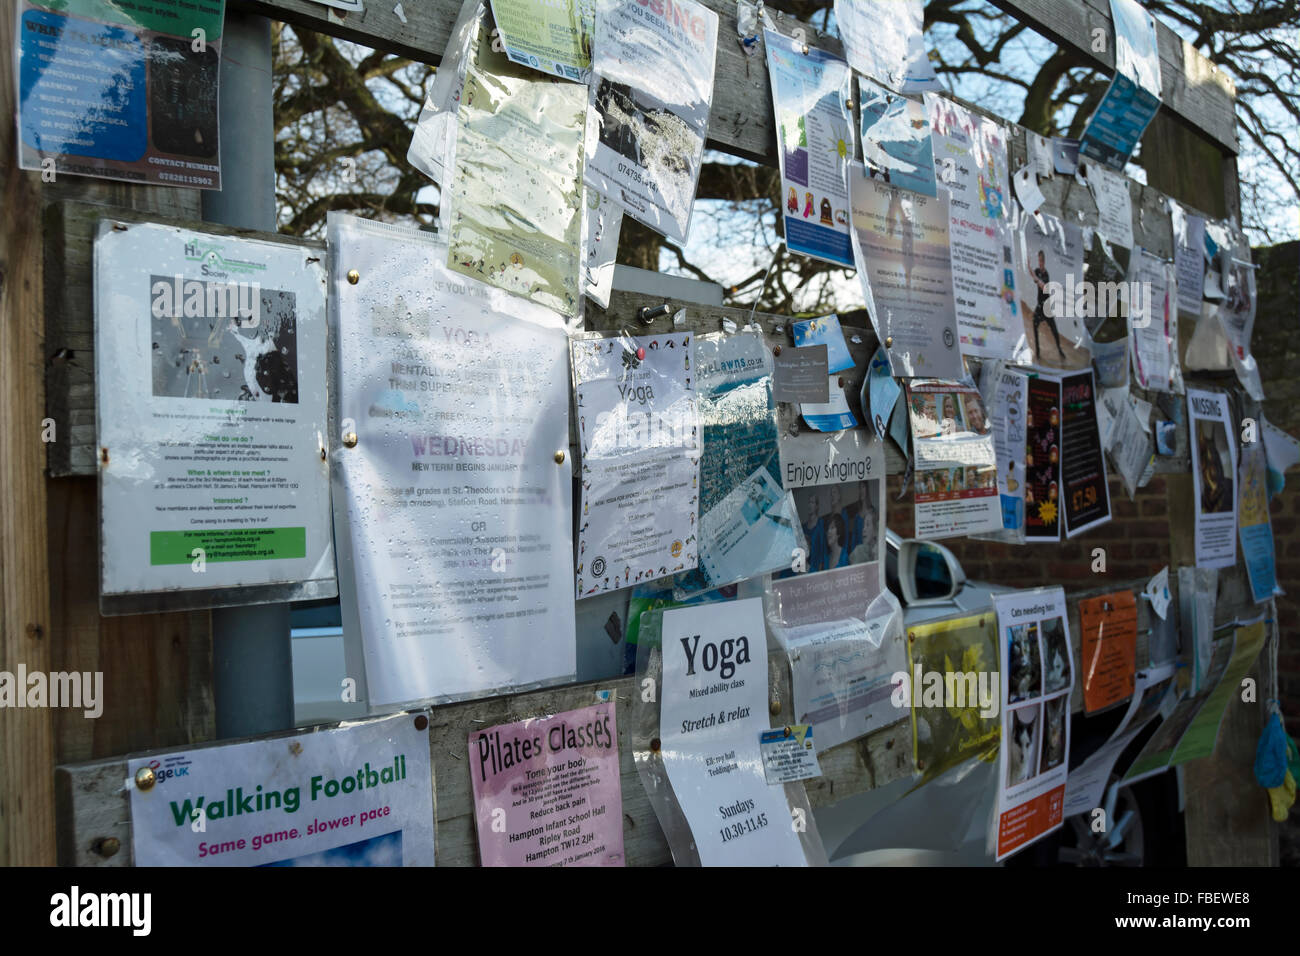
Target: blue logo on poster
{"type": "Point", "coordinates": [82, 88]}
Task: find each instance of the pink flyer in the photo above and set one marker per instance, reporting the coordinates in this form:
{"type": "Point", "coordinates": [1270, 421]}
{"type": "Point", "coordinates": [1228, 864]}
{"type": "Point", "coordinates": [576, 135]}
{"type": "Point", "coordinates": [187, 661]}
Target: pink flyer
{"type": "Point", "coordinates": [547, 791]}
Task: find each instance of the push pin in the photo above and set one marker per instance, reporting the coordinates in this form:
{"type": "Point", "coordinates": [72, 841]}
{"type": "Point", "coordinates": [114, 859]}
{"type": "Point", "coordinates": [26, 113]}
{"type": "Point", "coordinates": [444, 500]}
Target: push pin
{"type": "Point", "coordinates": [889, 341]}
{"type": "Point", "coordinates": [648, 313]}
{"type": "Point", "coordinates": [145, 778]}
{"type": "Point", "coordinates": [354, 276]}
{"type": "Point", "coordinates": [559, 457]}
{"type": "Point", "coordinates": [350, 440]}
{"type": "Point", "coordinates": [640, 353]}
{"type": "Point", "coordinates": [776, 350]}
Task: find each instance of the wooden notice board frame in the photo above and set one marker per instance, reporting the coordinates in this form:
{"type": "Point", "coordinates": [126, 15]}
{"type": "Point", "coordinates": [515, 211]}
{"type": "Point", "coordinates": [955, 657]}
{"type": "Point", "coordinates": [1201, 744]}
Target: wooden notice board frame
{"type": "Point", "coordinates": [158, 668]}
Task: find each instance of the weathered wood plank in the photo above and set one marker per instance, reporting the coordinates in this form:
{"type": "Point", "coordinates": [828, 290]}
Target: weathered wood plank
{"type": "Point", "coordinates": [741, 120]}
{"type": "Point", "coordinates": [26, 735]}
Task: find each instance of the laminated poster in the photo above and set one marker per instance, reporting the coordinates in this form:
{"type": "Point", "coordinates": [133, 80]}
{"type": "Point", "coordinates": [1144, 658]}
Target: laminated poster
{"type": "Point", "coordinates": [970, 164]}
{"type": "Point", "coordinates": [1034, 636]}
{"type": "Point", "coordinates": [905, 267]}
{"type": "Point", "coordinates": [650, 97]}
{"type": "Point", "coordinates": [516, 214]}
{"type": "Point", "coordinates": [953, 720]}
{"type": "Point", "coordinates": [713, 708]}
{"type": "Point", "coordinates": [1043, 459]}
{"type": "Point", "coordinates": [1237, 312]}
{"type": "Point", "coordinates": [1133, 97]}
{"type": "Point", "coordinates": [552, 37]}
{"type": "Point", "coordinates": [841, 680]}
{"type": "Point", "coordinates": [1214, 469]}
{"type": "Point", "coordinates": [747, 524]}
{"type": "Point", "coordinates": [360, 795]}
{"type": "Point", "coordinates": [1108, 647]}
{"type": "Point", "coordinates": [452, 515]}
{"type": "Point", "coordinates": [883, 39]}
{"type": "Point", "coordinates": [955, 480]}
{"type": "Point", "coordinates": [895, 138]}
{"type": "Point", "coordinates": [810, 89]}
{"type": "Point", "coordinates": [1049, 285]}
{"type": "Point", "coordinates": [1083, 466]}
{"type": "Point", "coordinates": [639, 431]}
{"type": "Point", "coordinates": [547, 790]}
{"type": "Point", "coordinates": [1254, 526]}
{"type": "Point", "coordinates": [210, 389]}
{"type": "Point", "coordinates": [123, 91]}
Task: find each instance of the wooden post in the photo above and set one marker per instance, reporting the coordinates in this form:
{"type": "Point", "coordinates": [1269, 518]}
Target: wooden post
{"type": "Point", "coordinates": [26, 735]}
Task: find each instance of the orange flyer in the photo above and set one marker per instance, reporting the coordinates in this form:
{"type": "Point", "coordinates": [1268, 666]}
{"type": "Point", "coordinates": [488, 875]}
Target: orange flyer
{"type": "Point", "coordinates": [1108, 649]}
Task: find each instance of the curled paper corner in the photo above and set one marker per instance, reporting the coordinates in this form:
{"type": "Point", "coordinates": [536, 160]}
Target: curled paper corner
{"type": "Point", "coordinates": [884, 618]}
{"type": "Point", "coordinates": [728, 325]}
{"type": "Point", "coordinates": [401, 14]}
{"type": "Point", "coordinates": [679, 318]}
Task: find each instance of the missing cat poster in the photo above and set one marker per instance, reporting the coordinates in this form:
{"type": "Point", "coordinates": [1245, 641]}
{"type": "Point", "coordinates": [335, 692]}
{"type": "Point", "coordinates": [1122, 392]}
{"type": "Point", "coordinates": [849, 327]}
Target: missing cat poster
{"type": "Point", "coordinates": [360, 795]}
{"type": "Point", "coordinates": [210, 399]}
{"type": "Point", "coordinates": [713, 708]}
{"type": "Point", "coordinates": [1038, 670]}
{"type": "Point", "coordinates": [1214, 472]}
{"type": "Point", "coordinates": [452, 513]}
{"type": "Point", "coordinates": [651, 92]}
{"type": "Point", "coordinates": [810, 90]}
{"type": "Point", "coordinates": [123, 91]}
{"type": "Point", "coordinates": [639, 431]}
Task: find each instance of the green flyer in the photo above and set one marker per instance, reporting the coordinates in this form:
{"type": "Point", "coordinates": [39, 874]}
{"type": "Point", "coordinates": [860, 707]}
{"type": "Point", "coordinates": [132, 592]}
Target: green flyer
{"type": "Point", "coordinates": [553, 36]}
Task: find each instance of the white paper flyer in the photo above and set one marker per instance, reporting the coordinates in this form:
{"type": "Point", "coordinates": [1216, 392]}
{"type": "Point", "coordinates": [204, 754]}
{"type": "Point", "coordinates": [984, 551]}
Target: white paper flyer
{"type": "Point", "coordinates": [713, 708]}
{"type": "Point", "coordinates": [639, 431]}
{"type": "Point", "coordinates": [452, 515]}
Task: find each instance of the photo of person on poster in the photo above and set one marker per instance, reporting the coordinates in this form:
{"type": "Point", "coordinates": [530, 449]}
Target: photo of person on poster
{"type": "Point", "coordinates": [839, 534]}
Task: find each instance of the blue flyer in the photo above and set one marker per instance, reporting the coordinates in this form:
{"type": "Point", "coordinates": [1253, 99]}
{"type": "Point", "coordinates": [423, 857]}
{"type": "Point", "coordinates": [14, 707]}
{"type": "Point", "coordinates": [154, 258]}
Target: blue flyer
{"type": "Point", "coordinates": [896, 146]}
{"type": "Point", "coordinates": [121, 90]}
{"type": "Point", "coordinates": [1134, 94]}
{"type": "Point", "coordinates": [825, 331]}
{"type": "Point", "coordinates": [882, 392]}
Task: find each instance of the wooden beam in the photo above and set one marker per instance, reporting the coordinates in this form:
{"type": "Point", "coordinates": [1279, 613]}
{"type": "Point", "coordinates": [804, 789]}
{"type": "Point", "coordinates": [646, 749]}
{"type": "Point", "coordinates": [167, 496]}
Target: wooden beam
{"type": "Point", "coordinates": [741, 121]}
{"type": "Point", "coordinates": [26, 735]}
{"type": "Point", "coordinates": [1192, 88]}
